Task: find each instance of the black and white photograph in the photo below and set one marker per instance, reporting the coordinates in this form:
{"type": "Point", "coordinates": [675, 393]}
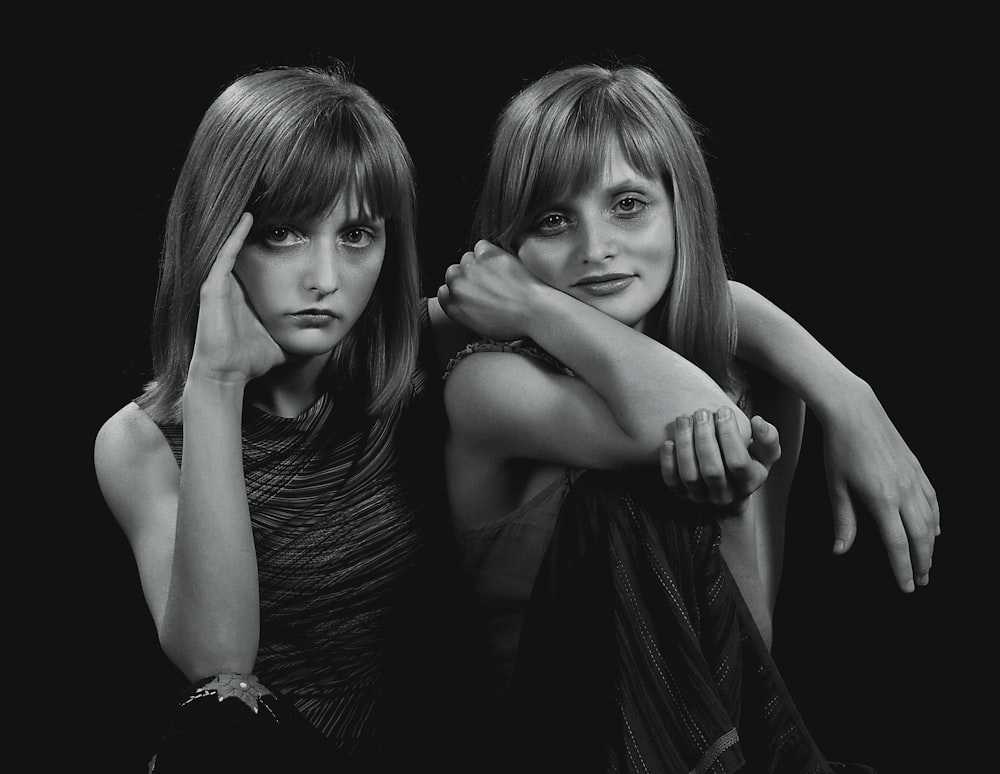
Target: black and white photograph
{"type": "Point", "coordinates": [537, 396]}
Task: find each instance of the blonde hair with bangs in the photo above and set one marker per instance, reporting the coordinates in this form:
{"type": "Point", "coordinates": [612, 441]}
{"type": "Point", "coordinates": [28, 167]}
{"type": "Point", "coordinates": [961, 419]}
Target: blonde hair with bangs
{"type": "Point", "coordinates": [553, 139]}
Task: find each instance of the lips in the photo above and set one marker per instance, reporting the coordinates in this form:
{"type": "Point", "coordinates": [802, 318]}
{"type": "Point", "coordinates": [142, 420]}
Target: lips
{"type": "Point", "coordinates": [314, 316]}
{"type": "Point", "coordinates": [604, 284]}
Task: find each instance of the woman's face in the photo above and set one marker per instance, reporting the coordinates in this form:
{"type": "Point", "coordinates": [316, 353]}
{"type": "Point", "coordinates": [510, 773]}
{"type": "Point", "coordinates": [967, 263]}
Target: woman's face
{"type": "Point", "coordinates": [610, 246]}
{"type": "Point", "coordinates": [310, 282]}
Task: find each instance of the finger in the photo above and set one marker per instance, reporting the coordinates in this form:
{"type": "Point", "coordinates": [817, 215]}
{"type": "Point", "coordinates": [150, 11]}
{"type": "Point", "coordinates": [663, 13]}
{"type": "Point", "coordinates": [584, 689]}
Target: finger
{"type": "Point", "coordinates": [734, 449]}
{"type": "Point", "coordinates": [845, 522]}
{"type": "Point", "coordinates": [897, 544]}
{"type": "Point", "coordinates": [709, 456]}
{"type": "Point", "coordinates": [481, 247]}
{"type": "Point", "coordinates": [452, 273]}
{"type": "Point", "coordinates": [687, 463]}
{"type": "Point", "coordinates": [932, 503]}
{"type": "Point", "coordinates": [765, 443]}
{"type": "Point", "coordinates": [668, 469]}
{"type": "Point", "coordinates": [918, 521]}
{"type": "Point", "coordinates": [468, 257]}
{"type": "Point", "coordinates": [225, 260]}
{"type": "Point", "coordinates": [444, 297]}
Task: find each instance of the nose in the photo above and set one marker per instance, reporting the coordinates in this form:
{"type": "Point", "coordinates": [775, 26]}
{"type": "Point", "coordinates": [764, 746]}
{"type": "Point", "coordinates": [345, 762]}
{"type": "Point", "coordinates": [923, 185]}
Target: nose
{"type": "Point", "coordinates": [321, 275]}
{"type": "Point", "coordinates": [597, 243]}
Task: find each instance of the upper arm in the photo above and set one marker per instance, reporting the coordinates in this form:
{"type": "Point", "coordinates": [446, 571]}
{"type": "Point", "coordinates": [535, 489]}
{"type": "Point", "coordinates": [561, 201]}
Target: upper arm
{"type": "Point", "coordinates": [449, 336]}
{"type": "Point", "coordinates": [517, 407]}
{"type": "Point", "coordinates": [140, 481]}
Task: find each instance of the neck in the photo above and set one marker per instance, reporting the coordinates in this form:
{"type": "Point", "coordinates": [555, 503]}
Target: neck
{"type": "Point", "coordinates": [290, 388]}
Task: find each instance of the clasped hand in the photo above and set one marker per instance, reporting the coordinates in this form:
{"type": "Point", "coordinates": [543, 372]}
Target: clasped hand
{"type": "Point", "coordinates": [705, 459]}
{"type": "Point", "coordinates": [489, 291]}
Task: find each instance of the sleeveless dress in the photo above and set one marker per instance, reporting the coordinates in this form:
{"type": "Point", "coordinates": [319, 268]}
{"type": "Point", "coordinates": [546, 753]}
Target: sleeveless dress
{"type": "Point", "coordinates": [621, 639]}
{"type": "Point", "coordinates": [345, 513]}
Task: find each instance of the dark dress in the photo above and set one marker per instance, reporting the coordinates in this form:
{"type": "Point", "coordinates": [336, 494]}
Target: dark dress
{"type": "Point", "coordinates": [630, 646]}
{"type": "Point", "coordinates": [638, 653]}
{"type": "Point", "coordinates": [352, 555]}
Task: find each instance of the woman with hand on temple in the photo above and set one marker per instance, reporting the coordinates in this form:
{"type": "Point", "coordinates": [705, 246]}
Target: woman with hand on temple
{"type": "Point", "coordinates": [273, 479]}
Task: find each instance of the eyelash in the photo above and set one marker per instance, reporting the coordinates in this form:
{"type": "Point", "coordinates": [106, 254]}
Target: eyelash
{"type": "Point", "coordinates": [639, 205]}
{"type": "Point", "coordinates": [265, 235]}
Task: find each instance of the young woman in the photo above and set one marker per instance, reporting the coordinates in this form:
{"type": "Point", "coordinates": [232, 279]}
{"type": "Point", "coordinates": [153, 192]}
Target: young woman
{"type": "Point", "coordinates": [610, 619]}
{"type": "Point", "coordinates": [276, 478]}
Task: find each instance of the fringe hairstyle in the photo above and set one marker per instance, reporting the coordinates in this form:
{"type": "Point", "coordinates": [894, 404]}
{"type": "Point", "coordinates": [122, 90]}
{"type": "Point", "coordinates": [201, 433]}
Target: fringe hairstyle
{"type": "Point", "coordinates": [553, 139]}
{"type": "Point", "coordinates": [285, 144]}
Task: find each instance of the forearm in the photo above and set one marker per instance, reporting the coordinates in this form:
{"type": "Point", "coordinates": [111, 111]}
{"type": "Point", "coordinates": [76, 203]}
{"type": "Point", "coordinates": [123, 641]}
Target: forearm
{"type": "Point", "coordinates": [645, 384]}
{"type": "Point", "coordinates": [212, 618]}
{"type": "Point", "coordinates": [773, 341]}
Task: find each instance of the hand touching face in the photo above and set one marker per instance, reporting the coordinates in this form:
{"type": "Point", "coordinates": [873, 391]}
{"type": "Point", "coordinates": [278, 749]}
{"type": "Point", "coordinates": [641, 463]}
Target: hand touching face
{"type": "Point", "coordinates": [610, 245]}
{"type": "Point", "coordinates": [309, 283]}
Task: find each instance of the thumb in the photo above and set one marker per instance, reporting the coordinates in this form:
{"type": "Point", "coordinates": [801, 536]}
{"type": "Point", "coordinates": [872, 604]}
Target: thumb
{"type": "Point", "coordinates": [765, 446]}
{"type": "Point", "coordinates": [845, 521]}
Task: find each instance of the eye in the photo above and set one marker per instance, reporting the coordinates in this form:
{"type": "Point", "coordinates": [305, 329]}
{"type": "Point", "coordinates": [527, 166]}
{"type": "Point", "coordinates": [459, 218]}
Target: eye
{"type": "Point", "coordinates": [279, 236]}
{"type": "Point", "coordinates": [550, 223]}
{"type": "Point", "coordinates": [630, 205]}
{"type": "Point", "coordinates": [358, 236]}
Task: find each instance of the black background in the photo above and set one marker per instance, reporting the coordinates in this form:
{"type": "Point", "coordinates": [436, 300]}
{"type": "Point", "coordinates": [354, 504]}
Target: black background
{"type": "Point", "coordinates": [833, 142]}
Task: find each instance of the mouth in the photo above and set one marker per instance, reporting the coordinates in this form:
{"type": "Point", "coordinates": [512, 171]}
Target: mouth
{"type": "Point", "coordinates": [313, 316]}
{"type": "Point", "coordinates": [604, 284]}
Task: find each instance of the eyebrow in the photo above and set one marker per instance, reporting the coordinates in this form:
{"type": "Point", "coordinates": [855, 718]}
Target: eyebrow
{"type": "Point", "coordinates": [629, 183]}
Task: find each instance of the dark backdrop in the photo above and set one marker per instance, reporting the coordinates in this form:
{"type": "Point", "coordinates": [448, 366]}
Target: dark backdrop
{"type": "Point", "coordinates": [828, 141]}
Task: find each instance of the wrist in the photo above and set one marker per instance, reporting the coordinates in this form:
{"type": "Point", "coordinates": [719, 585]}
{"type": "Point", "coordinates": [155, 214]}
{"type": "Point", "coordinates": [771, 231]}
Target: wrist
{"type": "Point", "coordinates": [213, 391]}
{"type": "Point", "coordinates": [544, 309]}
{"type": "Point", "coordinates": [842, 398]}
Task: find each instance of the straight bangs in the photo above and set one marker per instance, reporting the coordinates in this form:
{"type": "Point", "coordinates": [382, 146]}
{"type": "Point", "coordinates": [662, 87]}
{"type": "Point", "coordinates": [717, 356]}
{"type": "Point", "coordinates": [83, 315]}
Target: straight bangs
{"type": "Point", "coordinates": [304, 177]}
{"type": "Point", "coordinates": [349, 148]}
{"type": "Point", "coordinates": [571, 152]}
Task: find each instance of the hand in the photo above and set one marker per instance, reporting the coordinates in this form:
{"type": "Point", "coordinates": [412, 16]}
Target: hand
{"type": "Point", "coordinates": [710, 463]}
{"type": "Point", "coordinates": [231, 344]}
{"type": "Point", "coordinates": [869, 464]}
{"type": "Point", "coordinates": [490, 292]}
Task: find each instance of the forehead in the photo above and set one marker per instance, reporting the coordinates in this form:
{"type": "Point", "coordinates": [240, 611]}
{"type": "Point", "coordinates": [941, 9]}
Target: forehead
{"type": "Point", "coordinates": [618, 171]}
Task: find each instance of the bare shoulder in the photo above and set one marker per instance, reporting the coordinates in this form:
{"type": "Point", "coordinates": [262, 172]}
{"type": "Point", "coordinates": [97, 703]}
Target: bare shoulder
{"type": "Point", "coordinates": [491, 371]}
{"type": "Point", "coordinates": [125, 434]}
{"type": "Point", "coordinates": [132, 460]}
{"type": "Point", "coordinates": [494, 395]}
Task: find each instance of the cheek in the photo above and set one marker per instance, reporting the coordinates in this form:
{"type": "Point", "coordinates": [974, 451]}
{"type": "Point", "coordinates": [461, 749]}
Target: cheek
{"type": "Point", "coordinates": [661, 252]}
{"type": "Point", "coordinates": [253, 280]}
{"type": "Point", "coordinates": [364, 278]}
{"type": "Point", "coordinates": [541, 263]}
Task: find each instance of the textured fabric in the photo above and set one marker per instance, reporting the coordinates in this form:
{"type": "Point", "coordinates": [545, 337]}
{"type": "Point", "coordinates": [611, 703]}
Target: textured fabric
{"type": "Point", "coordinates": [638, 653]}
{"type": "Point", "coordinates": [500, 560]}
{"type": "Point", "coordinates": [341, 507]}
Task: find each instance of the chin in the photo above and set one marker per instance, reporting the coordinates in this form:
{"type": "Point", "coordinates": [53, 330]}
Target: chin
{"type": "Point", "coordinates": [310, 349]}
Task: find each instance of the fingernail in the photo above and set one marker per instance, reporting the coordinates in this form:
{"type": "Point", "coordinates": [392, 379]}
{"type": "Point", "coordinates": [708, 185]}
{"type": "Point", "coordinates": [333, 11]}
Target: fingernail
{"type": "Point", "coordinates": [839, 546]}
{"type": "Point", "coordinates": [684, 422]}
{"type": "Point", "coordinates": [701, 416]}
{"type": "Point", "coordinates": [924, 579]}
{"type": "Point", "coordinates": [724, 414]}
{"type": "Point", "coordinates": [908, 586]}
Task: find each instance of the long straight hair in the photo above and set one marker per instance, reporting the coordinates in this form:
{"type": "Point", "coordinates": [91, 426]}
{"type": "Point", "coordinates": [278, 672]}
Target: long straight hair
{"type": "Point", "coordinates": [285, 144]}
{"type": "Point", "coordinates": [553, 139]}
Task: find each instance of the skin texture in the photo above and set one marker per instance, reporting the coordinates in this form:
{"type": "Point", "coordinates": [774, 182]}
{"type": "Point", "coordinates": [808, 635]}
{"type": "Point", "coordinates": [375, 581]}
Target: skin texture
{"type": "Point", "coordinates": [611, 247]}
{"type": "Point", "coordinates": [190, 528]}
